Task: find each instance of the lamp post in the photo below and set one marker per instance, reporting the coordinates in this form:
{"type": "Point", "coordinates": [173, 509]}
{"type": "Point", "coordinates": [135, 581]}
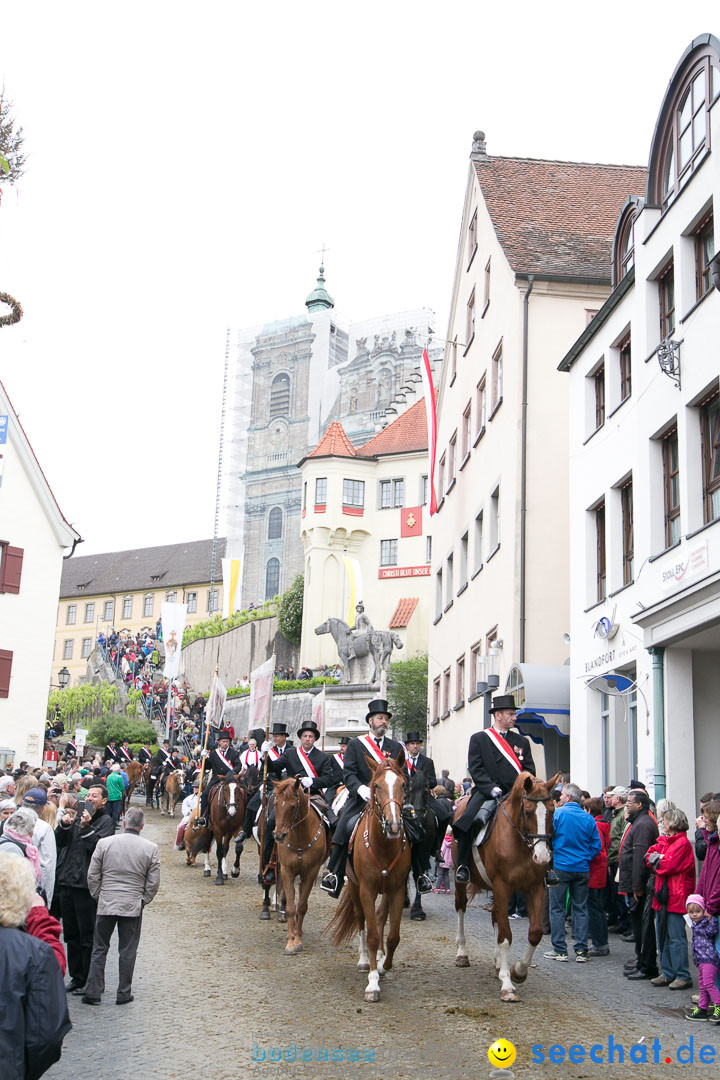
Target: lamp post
{"type": "Point", "coordinates": [488, 680]}
{"type": "Point", "coordinates": [63, 677]}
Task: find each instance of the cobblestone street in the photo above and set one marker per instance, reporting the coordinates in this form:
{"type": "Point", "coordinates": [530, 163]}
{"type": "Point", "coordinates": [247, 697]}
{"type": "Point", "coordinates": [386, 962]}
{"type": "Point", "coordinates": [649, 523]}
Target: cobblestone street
{"type": "Point", "coordinates": [213, 990]}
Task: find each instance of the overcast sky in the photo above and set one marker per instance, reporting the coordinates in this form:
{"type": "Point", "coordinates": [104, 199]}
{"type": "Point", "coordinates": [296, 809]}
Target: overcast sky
{"type": "Point", "coordinates": [186, 162]}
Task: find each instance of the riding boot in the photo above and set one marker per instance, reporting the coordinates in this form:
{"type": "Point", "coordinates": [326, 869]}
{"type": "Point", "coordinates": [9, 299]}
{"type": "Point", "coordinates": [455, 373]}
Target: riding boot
{"type": "Point", "coordinates": [464, 843]}
{"type": "Point", "coordinates": [268, 871]}
{"type": "Point", "coordinates": [334, 876]}
{"type": "Point", "coordinates": [201, 819]}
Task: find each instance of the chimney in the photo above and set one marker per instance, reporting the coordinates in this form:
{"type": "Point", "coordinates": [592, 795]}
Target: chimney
{"type": "Point", "coordinates": [479, 149]}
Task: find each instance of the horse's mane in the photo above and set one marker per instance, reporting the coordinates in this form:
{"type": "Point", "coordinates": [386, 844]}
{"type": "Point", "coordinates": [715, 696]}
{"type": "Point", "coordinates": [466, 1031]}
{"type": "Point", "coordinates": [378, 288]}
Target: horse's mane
{"type": "Point", "coordinates": [283, 785]}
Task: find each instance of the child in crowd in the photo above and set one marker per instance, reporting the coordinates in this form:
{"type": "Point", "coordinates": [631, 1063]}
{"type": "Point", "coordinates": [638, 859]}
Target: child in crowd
{"type": "Point", "coordinates": [444, 865]}
{"type": "Point", "coordinates": [704, 931]}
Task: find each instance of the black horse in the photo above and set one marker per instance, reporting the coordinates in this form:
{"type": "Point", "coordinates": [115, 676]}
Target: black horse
{"type": "Point", "coordinates": [422, 829]}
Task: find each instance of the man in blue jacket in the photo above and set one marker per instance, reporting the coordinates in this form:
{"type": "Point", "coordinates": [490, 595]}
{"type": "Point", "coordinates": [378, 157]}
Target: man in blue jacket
{"type": "Point", "coordinates": [576, 841]}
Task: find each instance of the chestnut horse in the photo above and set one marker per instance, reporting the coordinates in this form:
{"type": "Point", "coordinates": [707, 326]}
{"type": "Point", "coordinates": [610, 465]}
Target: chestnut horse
{"type": "Point", "coordinates": [134, 772]}
{"type": "Point", "coordinates": [515, 858]}
{"type": "Point", "coordinates": [381, 863]}
{"type": "Point", "coordinates": [173, 792]}
{"type": "Point", "coordinates": [303, 845]}
{"type": "Point", "coordinates": [226, 812]}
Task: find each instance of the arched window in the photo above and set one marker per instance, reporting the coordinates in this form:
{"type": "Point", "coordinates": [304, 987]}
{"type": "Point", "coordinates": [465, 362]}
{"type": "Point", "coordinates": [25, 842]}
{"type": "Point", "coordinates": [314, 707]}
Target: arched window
{"type": "Point", "coordinates": [272, 578]}
{"type": "Point", "coordinates": [280, 395]}
{"type": "Point", "coordinates": [682, 134]}
{"type": "Point", "coordinates": [624, 243]}
{"type": "Point", "coordinates": [275, 524]}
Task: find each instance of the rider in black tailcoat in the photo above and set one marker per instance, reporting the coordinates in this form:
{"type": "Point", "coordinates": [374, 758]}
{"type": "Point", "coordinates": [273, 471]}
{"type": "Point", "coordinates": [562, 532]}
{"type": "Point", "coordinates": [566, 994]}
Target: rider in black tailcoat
{"type": "Point", "coordinates": [275, 751]}
{"type": "Point", "coordinates": [496, 757]}
{"type": "Point", "coordinates": [337, 762]}
{"type": "Point", "coordinates": [223, 759]}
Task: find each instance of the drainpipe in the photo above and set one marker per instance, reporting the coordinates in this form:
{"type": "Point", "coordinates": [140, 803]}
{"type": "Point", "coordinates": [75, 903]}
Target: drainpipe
{"type": "Point", "coordinates": [657, 653]}
{"type": "Point", "coordinates": [523, 462]}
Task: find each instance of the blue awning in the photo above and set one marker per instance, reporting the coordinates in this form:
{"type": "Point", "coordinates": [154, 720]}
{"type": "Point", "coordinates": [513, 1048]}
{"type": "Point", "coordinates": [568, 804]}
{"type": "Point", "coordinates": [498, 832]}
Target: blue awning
{"type": "Point", "coordinates": [543, 695]}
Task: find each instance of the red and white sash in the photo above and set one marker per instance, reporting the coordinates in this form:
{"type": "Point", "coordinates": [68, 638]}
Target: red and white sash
{"type": "Point", "coordinates": [306, 762]}
{"type": "Point", "coordinates": [340, 758]}
{"type": "Point", "coordinates": [412, 765]}
{"type": "Point", "coordinates": [504, 747]}
{"type": "Point", "coordinates": [225, 761]}
{"type": "Point", "coordinates": [275, 753]}
{"type": "Point", "coordinates": [370, 744]}
{"type": "Point", "coordinates": [126, 753]}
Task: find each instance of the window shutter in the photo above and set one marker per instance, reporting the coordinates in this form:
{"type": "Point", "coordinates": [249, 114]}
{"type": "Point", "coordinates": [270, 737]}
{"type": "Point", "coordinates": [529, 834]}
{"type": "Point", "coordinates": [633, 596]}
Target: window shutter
{"type": "Point", "coordinates": [11, 570]}
{"type": "Point", "coordinates": [6, 658]}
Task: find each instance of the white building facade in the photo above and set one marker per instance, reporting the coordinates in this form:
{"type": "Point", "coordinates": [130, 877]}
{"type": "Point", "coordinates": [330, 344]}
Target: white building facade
{"type": "Point", "coordinates": [645, 472]}
{"type": "Point", "coordinates": [34, 535]}
{"type": "Point", "coordinates": [532, 269]}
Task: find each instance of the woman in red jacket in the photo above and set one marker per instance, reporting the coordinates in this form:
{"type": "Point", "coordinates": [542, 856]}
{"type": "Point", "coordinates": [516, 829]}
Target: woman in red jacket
{"type": "Point", "coordinates": [597, 919]}
{"type": "Point", "coordinates": [673, 861]}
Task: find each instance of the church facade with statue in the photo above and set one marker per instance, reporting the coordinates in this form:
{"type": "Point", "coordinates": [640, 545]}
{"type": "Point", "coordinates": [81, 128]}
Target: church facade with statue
{"type": "Point", "coordinates": [288, 382]}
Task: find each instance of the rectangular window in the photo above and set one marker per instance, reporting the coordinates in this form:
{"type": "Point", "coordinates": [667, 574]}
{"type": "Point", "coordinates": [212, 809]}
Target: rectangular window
{"type": "Point", "coordinates": [625, 369]}
{"type": "Point", "coordinates": [304, 505]}
{"type": "Point", "coordinates": [599, 383]}
{"type": "Point", "coordinates": [108, 610]}
{"type": "Point", "coordinates": [90, 612]}
{"type": "Point", "coordinates": [424, 490]}
{"type": "Point", "coordinates": [71, 614]}
{"type": "Point", "coordinates": [428, 549]}
{"type": "Point", "coordinates": [171, 597]}
{"type": "Point", "coordinates": [495, 520]}
{"type": "Point", "coordinates": [667, 302]}
{"type": "Point", "coordinates": [453, 359]}
{"type": "Point", "coordinates": [438, 593]}
{"type": "Point", "coordinates": [475, 654]}
{"type": "Point", "coordinates": [710, 426]}
{"type": "Point", "coordinates": [671, 484]}
{"type": "Point", "coordinates": [450, 581]}
{"type": "Point", "coordinates": [321, 491]}
{"type": "Point", "coordinates": [470, 320]}
{"type": "Point", "coordinates": [478, 541]}
{"type": "Point", "coordinates": [127, 607]}
{"type": "Point", "coordinates": [436, 699]}
{"type": "Point", "coordinates": [600, 566]}
{"type": "Point", "coordinates": [704, 251]}
{"type": "Point", "coordinates": [191, 602]}
{"type": "Point", "coordinates": [86, 648]}
{"type": "Point", "coordinates": [463, 559]}
{"type": "Point", "coordinates": [353, 492]}
{"type": "Point", "coordinates": [486, 287]}
{"type": "Point", "coordinates": [11, 561]}
{"type": "Point", "coordinates": [6, 659]}
{"type": "Point", "coordinates": [392, 493]}
{"type": "Point", "coordinates": [388, 552]}
{"type": "Point", "coordinates": [481, 407]}
{"type": "Point", "coordinates": [497, 377]}
{"type": "Point", "coordinates": [67, 649]}
{"type": "Point", "coordinates": [472, 237]}
{"type": "Point", "coordinates": [441, 478]}
{"type": "Point", "coordinates": [466, 429]}
{"type": "Point", "coordinates": [212, 599]}
{"type": "Point", "coordinates": [460, 681]}
{"type": "Point", "coordinates": [628, 539]}
{"type": "Point", "coordinates": [446, 691]}
{"type": "Point", "coordinates": [148, 606]}
{"type": "Point", "coordinates": [452, 458]}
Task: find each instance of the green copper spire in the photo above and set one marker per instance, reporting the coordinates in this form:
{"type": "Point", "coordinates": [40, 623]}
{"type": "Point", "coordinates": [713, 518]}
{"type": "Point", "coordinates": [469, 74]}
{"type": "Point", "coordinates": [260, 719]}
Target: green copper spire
{"type": "Point", "coordinates": [319, 299]}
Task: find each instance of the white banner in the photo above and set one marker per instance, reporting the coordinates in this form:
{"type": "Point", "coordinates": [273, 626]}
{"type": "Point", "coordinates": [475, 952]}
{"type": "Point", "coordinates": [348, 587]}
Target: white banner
{"type": "Point", "coordinates": [216, 704]}
{"type": "Point", "coordinates": [81, 735]}
{"type": "Point", "coordinates": [261, 693]}
{"type": "Point", "coordinates": [173, 627]}
{"type": "Point", "coordinates": [232, 581]}
{"type": "Point", "coordinates": [318, 711]}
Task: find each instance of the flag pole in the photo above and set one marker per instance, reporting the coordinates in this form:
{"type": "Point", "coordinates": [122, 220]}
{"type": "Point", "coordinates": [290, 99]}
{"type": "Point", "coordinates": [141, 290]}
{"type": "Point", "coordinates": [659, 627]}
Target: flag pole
{"type": "Point", "coordinates": [265, 770]}
{"type": "Point", "coordinates": [203, 759]}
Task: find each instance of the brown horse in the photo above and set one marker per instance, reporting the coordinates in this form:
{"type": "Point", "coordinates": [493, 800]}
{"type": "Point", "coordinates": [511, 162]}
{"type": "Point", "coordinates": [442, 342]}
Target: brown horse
{"type": "Point", "coordinates": [381, 863]}
{"type": "Point", "coordinates": [198, 842]}
{"type": "Point", "coordinates": [226, 813]}
{"type": "Point", "coordinates": [303, 846]}
{"type": "Point", "coordinates": [173, 793]}
{"type": "Point", "coordinates": [134, 772]}
{"type": "Point", "coordinates": [515, 858]}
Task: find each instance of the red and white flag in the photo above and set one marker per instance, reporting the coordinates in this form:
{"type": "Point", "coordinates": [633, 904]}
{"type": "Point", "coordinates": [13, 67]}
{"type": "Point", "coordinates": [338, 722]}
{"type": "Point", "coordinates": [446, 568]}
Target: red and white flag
{"type": "Point", "coordinates": [318, 711]}
{"type": "Point", "coordinates": [431, 414]}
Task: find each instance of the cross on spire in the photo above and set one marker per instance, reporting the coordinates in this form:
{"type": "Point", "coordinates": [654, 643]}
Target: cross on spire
{"type": "Point", "coordinates": [322, 251]}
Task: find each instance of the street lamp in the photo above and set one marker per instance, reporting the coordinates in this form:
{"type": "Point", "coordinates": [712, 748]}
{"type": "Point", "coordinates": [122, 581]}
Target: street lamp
{"type": "Point", "coordinates": [63, 677]}
{"type": "Point", "coordinates": [488, 680]}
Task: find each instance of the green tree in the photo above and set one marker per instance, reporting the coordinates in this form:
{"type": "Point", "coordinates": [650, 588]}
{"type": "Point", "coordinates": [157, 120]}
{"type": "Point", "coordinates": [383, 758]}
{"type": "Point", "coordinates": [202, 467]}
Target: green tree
{"type": "Point", "coordinates": [407, 695]}
{"type": "Point", "coordinates": [12, 159]}
{"type": "Point", "coordinates": [290, 611]}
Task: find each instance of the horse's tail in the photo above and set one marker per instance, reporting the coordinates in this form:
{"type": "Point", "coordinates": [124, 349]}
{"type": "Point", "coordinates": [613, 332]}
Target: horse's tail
{"type": "Point", "coordinates": [343, 925]}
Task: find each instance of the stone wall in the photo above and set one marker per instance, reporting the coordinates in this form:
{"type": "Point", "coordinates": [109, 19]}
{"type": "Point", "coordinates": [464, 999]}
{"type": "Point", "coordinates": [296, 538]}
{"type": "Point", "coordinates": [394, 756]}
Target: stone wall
{"type": "Point", "coordinates": [236, 652]}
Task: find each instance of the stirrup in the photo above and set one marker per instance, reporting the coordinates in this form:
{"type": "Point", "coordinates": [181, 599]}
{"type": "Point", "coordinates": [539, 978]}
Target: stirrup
{"type": "Point", "coordinates": [551, 877]}
{"type": "Point", "coordinates": [462, 875]}
{"type": "Point", "coordinates": [200, 823]}
{"type": "Point", "coordinates": [423, 883]}
{"type": "Point", "coordinates": [329, 883]}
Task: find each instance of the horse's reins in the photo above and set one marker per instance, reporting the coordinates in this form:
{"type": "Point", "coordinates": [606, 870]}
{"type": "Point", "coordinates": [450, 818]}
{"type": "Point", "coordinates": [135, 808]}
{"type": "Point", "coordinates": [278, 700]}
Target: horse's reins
{"type": "Point", "coordinates": [529, 839]}
{"type": "Point", "coordinates": [299, 851]}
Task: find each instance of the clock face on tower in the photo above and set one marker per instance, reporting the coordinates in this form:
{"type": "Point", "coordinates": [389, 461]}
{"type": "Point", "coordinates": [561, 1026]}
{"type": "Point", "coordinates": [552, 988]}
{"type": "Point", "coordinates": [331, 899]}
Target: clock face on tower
{"type": "Point", "coordinates": [278, 435]}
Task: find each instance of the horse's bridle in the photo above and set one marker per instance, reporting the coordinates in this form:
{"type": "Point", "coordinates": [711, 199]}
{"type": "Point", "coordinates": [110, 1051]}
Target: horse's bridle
{"type": "Point", "coordinates": [530, 839]}
{"type": "Point", "coordinates": [377, 808]}
{"type": "Point", "coordinates": [299, 851]}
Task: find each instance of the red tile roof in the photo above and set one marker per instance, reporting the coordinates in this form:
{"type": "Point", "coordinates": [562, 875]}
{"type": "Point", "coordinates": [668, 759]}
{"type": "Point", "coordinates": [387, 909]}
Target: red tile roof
{"type": "Point", "coordinates": [334, 443]}
{"type": "Point", "coordinates": [557, 217]}
{"type": "Point", "coordinates": [403, 612]}
{"type": "Point", "coordinates": [408, 432]}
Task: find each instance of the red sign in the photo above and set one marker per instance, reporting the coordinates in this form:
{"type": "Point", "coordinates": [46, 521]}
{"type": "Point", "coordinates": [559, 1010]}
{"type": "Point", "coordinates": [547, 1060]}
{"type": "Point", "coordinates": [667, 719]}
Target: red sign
{"type": "Point", "coordinates": [404, 571]}
{"type": "Point", "coordinates": [411, 521]}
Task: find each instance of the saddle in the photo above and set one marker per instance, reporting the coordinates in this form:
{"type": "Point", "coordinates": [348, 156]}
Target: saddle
{"type": "Point", "coordinates": [485, 831]}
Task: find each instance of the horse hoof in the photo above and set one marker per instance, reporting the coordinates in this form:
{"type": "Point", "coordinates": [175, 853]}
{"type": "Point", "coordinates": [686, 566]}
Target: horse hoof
{"type": "Point", "coordinates": [418, 916]}
{"type": "Point", "coordinates": [220, 881]}
{"type": "Point", "coordinates": [518, 976]}
{"type": "Point", "coordinates": [234, 873]}
{"type": "Point", "coordinates": [264, 915]}
{"type": "Point", "coordinates": [281, 917]}
{"type": "Point", "coordinates": [293, 950]}
{"type": "Point", "coordinates": [206, 873]}
{"type": "Point", "coordinates": [363, 967]}
{"type": "Point", "coordinates": [508, 995]}
{"type": "Point", "coordinates": [372, 995]}
{"type": "Point", "coordinates": [225, 876]}
{"type": "Point", "coordinates": [462, 961]}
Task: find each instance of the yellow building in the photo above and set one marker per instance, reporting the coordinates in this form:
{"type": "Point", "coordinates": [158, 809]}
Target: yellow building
{"type": "Point", "coordinates": [124, 590]}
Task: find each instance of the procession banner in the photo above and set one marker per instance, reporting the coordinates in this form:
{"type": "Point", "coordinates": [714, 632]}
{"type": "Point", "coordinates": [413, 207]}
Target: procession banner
{"type": "Point", "coordinates": [261, 691]}
{"type": "Point", "coordinates": [431, 417]}
{"type": "Point", "coordinates": [81, 735]}
{"type": "Point", "coordinates": [354, 577]}
{"type": "Point", "coordinates": [231, 572]}
{"type": "Point", "coordinates": [318, 711]}
{"type": "Point", "coordinates": [216, 703]}
{"type": "Point", "coordinates": [172, 617]}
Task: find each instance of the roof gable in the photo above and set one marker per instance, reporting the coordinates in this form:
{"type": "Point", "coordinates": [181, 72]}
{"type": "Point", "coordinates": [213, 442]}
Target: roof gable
{"type": "Point", "coordinates": [406, 434]}
{"type": "Point", "coordinates": [113, 572]}
{"type": "Point", "coordinates": [334, 443]}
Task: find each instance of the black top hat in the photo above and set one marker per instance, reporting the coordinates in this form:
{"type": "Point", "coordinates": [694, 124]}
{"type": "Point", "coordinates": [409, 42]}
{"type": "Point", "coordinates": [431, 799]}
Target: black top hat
{"type": "Point", "coordinates": [344, 741]}
{"type": "Point", "coordinates": [414, 736]}
{"type": "Point", "coordinates": [309, 725]}
{"type": "Point", "coordinates": [223, 734]}
{"type": "Point", "coordinates": [378, 705]}
{"type": "Point", "coordinates": [503, 701]}
{"type": "Point", "coordinates": [279, 729]}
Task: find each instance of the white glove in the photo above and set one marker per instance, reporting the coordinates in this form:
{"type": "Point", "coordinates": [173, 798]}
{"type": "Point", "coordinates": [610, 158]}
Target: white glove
{"type": "Point", "coordinates": [265, 747]}
{"type": "Point", "coordinates": [496, 792]}
{"type": "Point", "coordinates": [205, 753]}
{"type": "Point", "coordinates": [307, 781]}
{"type": "Point", "coordinates": [364, 792]}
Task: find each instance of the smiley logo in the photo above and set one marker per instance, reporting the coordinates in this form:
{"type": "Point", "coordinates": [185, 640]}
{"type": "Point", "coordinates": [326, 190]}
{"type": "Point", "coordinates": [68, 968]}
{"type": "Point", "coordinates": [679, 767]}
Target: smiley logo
{"type": "Point", "coordinates": [502, 1054]}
